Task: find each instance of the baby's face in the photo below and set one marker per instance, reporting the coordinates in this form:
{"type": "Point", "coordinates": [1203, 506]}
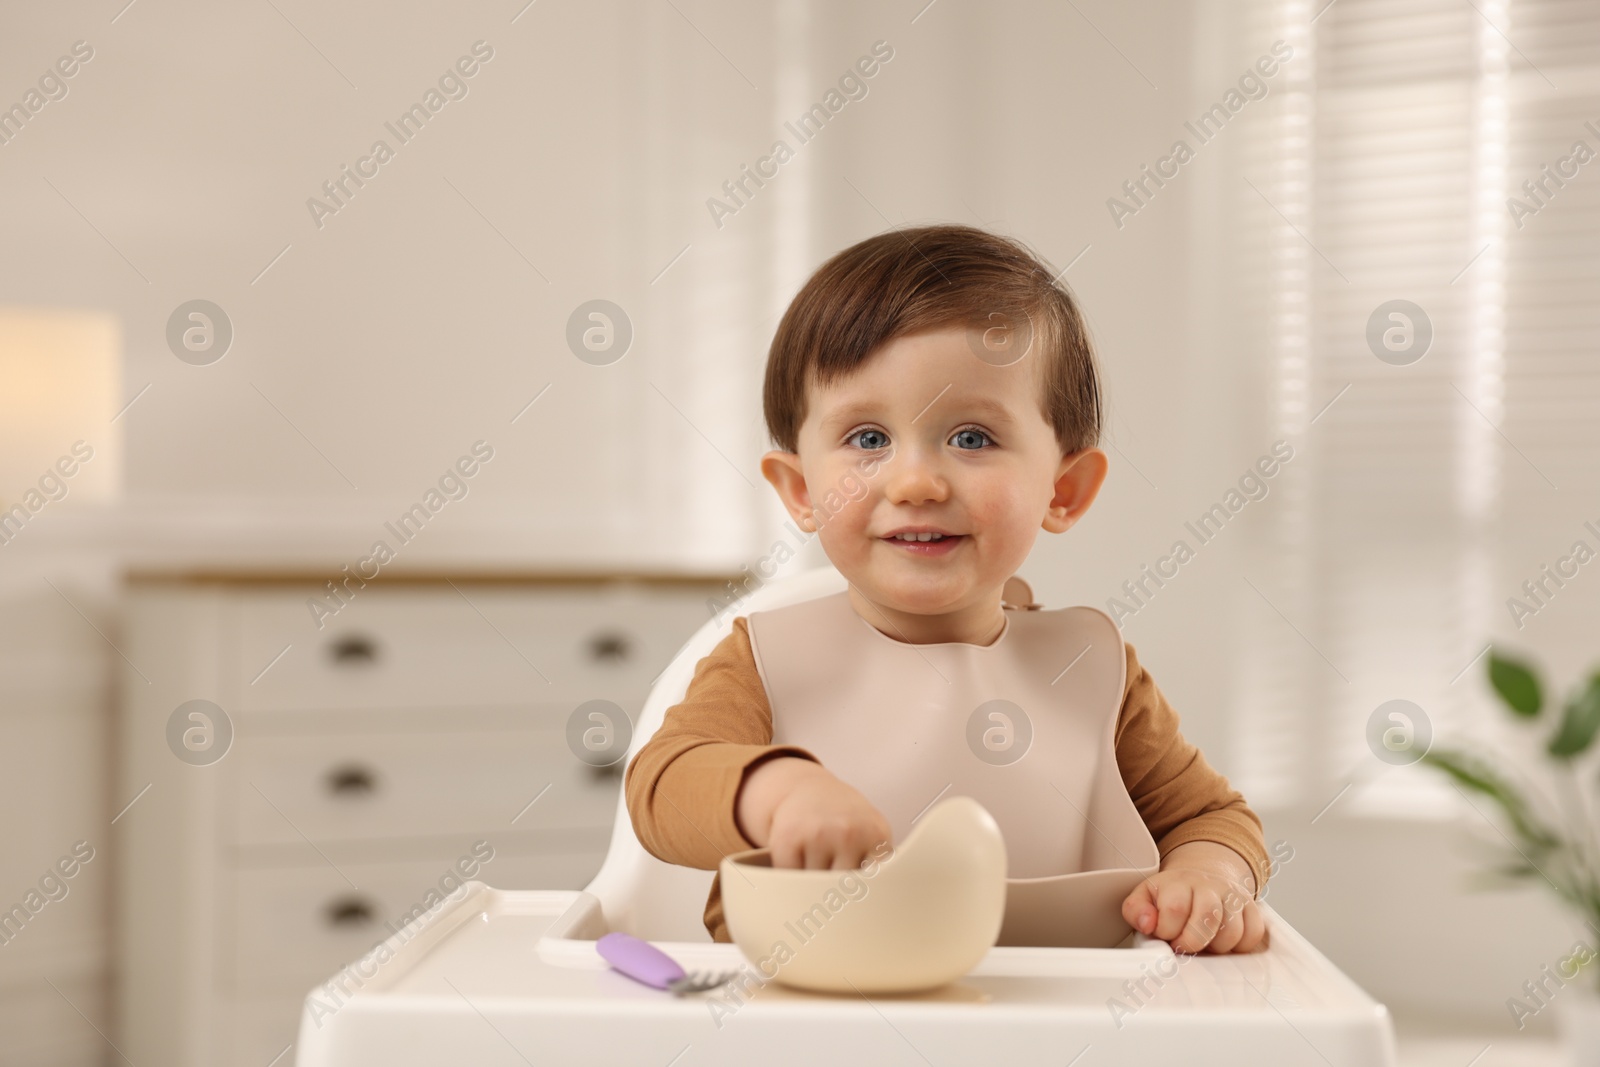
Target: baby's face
{"type": "Point", "coordinates": [925, 434]}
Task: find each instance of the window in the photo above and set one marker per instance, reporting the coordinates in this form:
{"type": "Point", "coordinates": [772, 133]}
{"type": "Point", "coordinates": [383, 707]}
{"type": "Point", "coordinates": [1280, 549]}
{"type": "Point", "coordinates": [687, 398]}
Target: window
{"type": "Point", "coordinates": [1427, 489]}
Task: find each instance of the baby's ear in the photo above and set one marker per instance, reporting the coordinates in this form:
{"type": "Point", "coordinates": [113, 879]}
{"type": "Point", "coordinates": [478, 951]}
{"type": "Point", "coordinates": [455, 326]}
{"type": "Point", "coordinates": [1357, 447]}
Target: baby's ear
{"type": "Point", "coordinates": [783, 470]}
{"type": "Point", "coordinates": [1078, 482]}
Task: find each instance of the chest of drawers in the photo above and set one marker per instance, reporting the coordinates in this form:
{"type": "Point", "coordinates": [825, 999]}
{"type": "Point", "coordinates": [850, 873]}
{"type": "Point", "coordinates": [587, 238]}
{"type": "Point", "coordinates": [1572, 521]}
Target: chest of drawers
{"type": "Point", "coordinates": [424, 724]}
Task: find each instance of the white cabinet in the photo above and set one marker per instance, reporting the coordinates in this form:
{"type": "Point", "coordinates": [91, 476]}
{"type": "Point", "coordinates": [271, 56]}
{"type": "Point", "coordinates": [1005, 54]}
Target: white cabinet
{"type": "Point", "coordinates": [423, 722]}
{"type": "Point", "coordinates": [56, 680]}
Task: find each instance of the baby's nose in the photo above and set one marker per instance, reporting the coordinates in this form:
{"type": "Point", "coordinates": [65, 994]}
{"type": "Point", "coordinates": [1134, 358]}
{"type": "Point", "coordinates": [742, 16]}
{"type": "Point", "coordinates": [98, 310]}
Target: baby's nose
{"type": "Point", "coordinates": [915, 477]}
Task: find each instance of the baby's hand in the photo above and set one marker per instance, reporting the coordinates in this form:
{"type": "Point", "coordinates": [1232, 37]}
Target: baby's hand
{"type": "Point", "coordinates": [1198, 901]}
{"type": "Point", "coordinates": [817, 821]}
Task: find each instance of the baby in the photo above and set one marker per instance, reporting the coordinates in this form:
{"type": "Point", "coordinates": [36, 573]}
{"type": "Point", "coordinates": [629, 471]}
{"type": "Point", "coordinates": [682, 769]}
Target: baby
{"type": "Point", "coordinates": [945, 382]}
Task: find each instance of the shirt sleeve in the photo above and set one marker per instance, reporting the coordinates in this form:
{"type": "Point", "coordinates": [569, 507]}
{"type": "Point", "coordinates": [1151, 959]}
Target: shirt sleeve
{"type": "Point", "coordinates": [682, 786]}
{"type": "Point", "coordinates": [1178, 794]}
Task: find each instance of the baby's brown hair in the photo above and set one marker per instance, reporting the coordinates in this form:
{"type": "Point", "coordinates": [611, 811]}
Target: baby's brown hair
{"type": "Point", "coordinates": [909, 281]}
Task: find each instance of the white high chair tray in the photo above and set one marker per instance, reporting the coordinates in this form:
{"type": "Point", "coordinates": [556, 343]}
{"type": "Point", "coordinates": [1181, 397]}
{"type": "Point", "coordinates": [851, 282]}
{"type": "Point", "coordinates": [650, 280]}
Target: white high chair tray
{"type": "Point", "coordinates": [569, 942]}
{"type": "Point", "coordinates": [499, 976]}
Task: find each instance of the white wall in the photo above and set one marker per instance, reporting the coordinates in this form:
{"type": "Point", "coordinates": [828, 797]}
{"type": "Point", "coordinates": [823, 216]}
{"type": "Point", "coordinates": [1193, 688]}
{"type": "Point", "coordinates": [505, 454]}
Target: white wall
{"type": "Point", "coordinates": [407, 326]}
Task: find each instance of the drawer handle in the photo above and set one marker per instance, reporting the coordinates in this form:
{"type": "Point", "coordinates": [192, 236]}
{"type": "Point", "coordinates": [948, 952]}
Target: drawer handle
{"type": "Point", "coordinates": [349, 911]}
{"type": "Point", "coordinates": [610, 646]}
{"type": "Point", "coordinates": [353, 649]}
{"type": "Point", "coordinates": [351, 781]}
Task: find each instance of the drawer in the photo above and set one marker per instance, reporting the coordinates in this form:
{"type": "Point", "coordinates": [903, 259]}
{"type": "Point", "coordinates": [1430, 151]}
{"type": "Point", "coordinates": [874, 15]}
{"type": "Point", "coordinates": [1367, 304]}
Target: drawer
{"type": "Point", "coordinates": [294, 928]}
{"type": "Point", "coordinates": [436, 647]}
{"type": "Point", "coordinates": [384, 786]}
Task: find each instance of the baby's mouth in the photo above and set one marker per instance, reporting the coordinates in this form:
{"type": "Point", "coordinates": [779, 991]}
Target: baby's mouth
{"type": "Point", "coordinates": [924, 537]}
{"type": "Point", "coordinates": [926, 544]}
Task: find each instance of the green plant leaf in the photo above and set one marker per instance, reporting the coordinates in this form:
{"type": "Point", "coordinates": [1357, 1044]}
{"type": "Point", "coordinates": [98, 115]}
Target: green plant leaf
{"type": "Point", "coordinates": [1517, 685]}
{"type": "Point", "coordinates": [1478, 776]}
{"type": "Point", "coordinates": [1579, 721]}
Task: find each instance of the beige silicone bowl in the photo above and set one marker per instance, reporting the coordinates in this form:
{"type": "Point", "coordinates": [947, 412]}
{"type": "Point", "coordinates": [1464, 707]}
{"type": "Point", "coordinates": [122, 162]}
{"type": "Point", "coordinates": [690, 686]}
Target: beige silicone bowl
{"type": "Point", "coordinates": [916, 919]}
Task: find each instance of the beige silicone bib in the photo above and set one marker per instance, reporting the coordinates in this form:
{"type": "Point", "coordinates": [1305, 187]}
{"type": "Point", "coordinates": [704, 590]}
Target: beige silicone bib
{"type": "Point", "coordinates": [1025, 726]}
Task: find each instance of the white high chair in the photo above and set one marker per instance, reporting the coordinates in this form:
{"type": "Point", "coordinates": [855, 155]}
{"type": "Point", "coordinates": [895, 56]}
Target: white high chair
{"type": "Point", "coordinates": [638, 893]}
{"type": "Point", "coordinates": [491, 968]}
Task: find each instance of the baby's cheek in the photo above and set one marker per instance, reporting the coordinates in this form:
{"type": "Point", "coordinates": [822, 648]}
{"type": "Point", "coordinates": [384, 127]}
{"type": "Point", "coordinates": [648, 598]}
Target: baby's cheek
{"type": "Point", "coordinates": [850, 522]}
{"type": "Point", "coordinates": [985, 508]}
{"type": "Point", "coordinates": [846, 539]}
{"type": "Point", "coordinates": [1007, 522]}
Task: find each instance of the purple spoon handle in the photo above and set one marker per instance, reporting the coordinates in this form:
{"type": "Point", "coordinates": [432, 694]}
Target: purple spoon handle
{"type": "Point", "coordinates": [639, 960]}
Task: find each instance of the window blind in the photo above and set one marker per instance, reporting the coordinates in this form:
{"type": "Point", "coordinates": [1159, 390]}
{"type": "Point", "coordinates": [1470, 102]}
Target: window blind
{"type": "Point", "coordinates": [1429, 488]}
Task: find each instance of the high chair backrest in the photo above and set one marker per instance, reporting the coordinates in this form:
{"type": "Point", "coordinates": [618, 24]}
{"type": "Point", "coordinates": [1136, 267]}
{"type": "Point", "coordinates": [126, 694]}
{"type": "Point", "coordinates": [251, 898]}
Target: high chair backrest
{"type": "Point", "coordinates": [638, 893]}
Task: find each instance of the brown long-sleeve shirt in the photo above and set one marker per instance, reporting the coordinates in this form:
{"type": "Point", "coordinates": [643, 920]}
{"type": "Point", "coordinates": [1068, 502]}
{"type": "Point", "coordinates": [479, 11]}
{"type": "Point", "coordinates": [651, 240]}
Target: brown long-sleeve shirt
{"type": "Point", "coordinates": [683, 785]}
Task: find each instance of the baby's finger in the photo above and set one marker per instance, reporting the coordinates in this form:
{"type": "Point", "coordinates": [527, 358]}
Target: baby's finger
{"type": "Point", "coordinates": [1229, 936]}
{"type": "Point", "coordinates": [1255, 929]}
{"type": "Point", "coordinates": [848, 858]}
{"type": "Point", "coordinates": [1173, 901]}
{"type": "Point", "coordinates": [1139, 907]}
{"type": "Point", "coordinates": [1205, 919]}
{"type": "Point", "coordinates": [787, 850]}
{"type": "Point", "coordinates": [819, 855]}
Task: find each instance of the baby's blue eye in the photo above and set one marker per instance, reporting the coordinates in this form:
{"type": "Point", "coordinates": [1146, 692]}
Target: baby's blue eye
{"type": "Point", "coordinates": [869, 434]}
{"type": "Point", "coordinates": [969, 433]}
